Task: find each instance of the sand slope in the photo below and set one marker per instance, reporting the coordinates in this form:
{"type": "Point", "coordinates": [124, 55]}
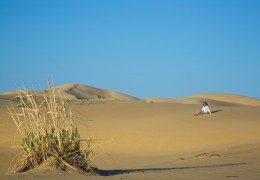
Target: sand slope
{"type": "Point", "coordinates": [215, 99]}
{"type": "Point", "coordinates": [228, 98]}
{"type": "Point", "coordinates": [79, 91]}
{"type": "Point", "coordinates": [159, 140]}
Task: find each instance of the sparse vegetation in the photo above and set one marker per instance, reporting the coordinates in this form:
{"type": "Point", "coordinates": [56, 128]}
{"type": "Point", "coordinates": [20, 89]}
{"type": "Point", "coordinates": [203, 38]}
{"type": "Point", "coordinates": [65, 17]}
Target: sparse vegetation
{"type": "Point", "coordinates": [100, 97]}
{"type": "Point", "coordinates": [49, 134]}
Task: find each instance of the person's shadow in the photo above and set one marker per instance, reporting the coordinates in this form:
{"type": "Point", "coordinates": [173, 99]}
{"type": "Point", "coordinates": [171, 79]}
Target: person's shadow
{"type": "Point", "coordinates": [216, 111]}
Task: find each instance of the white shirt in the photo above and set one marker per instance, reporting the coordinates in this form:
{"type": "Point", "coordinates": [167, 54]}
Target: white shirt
{"type": "Point", "coordinates": [206, 109]}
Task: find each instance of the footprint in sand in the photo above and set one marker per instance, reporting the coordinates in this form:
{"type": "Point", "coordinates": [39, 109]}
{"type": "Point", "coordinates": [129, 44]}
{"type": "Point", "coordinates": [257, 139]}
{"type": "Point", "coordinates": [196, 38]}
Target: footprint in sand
{"type": "Point", "coordinates": [232, 176]}
{"type": "Point", "coordinates": [206, 156]}
{"type": "Point", "coordinates": [177, 160]}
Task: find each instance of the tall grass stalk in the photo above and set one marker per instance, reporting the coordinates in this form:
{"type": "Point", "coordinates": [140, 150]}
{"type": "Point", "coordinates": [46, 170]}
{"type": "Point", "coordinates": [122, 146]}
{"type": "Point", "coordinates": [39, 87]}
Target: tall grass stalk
{"type": "Point", "coordinates": [49, 133]}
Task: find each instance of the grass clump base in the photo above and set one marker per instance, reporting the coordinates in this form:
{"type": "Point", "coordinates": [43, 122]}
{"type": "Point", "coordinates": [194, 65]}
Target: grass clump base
{"type": "Point", "coordinates": [49, 134]}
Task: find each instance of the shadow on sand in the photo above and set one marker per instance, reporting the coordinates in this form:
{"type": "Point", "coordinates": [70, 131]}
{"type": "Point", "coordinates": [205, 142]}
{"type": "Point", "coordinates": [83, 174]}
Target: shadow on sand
{"type": "Point", "coordinates": [216, 111]}
{"type": "Point", "coordinates": [126, 171]}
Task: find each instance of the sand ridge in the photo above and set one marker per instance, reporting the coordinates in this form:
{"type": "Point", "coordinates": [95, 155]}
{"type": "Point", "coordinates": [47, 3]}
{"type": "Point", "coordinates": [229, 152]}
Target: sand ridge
{"type": "Point", "coordinates": [229, 98]}
{"type": "Point", "coordinates": [76, 91]}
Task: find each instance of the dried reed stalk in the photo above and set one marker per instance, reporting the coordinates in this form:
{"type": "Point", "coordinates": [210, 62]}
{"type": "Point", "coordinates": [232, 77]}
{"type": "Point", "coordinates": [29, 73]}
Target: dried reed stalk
{"type": "Point", "coordinates": [48, 132]}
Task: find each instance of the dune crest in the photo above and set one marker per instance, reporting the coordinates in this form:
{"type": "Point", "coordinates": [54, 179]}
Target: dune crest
{"type": "Point", "coordinates": [228, 98]}
{"type": "Point", "coordinates": [216, 99]}
{"type": "Point", "coordinates": [79, 91]}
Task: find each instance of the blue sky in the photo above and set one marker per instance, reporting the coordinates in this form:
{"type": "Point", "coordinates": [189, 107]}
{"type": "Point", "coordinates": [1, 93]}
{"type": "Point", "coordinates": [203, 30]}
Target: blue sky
{"type": "Point", "coordinates": [145, 48]}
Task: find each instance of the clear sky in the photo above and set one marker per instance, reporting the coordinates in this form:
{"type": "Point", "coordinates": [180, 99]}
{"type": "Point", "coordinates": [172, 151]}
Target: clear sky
{"type": "Point", "coordinates": [144, 48]}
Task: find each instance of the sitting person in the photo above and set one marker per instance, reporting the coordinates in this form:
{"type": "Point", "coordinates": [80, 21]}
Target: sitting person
{"type": "Point", "coordinates": [205, 110]}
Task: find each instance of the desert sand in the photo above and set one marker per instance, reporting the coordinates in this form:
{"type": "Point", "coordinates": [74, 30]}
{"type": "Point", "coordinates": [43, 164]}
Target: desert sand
{"type": "Point", "coordinates": [153, 138]}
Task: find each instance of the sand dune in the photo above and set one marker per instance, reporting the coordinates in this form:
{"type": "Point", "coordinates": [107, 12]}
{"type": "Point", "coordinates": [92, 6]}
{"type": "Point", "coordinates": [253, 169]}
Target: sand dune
{"type": "Point", "coordinates": [79, 91]}
{"type": "Point", "coordinates": [215, 99]}
{"type": "Point", "coordinates": [228, 98]}
{"type": "Point", "coordinates": [157, 140]}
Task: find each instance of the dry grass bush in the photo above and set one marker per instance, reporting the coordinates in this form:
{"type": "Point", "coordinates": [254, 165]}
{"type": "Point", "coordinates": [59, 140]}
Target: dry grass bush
{"type": "Point", "coordinates": [49, 134]}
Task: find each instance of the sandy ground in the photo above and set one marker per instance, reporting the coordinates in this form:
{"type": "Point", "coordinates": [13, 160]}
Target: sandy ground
{"type": "Point", "coordinates": [157, 139]}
